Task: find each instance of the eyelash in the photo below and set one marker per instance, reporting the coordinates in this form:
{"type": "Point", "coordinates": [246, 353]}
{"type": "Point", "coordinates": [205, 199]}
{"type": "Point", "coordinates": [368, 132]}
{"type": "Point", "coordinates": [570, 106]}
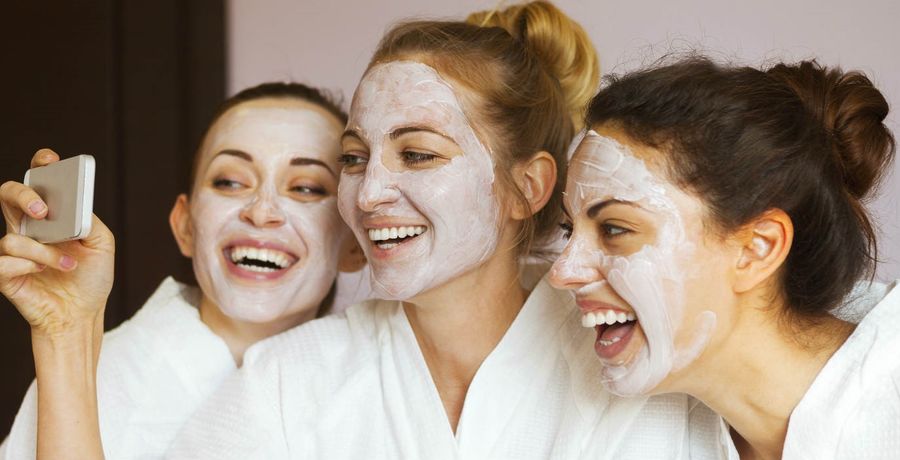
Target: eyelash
{"type": "Point", "coordinates": [351, 160]}
{"type": "Point", "coordinates": [310, 190]}
{"type": "Point", "coordinates": [567, 229]}
{"type": "Point", "coordinates": [411, 157]}
{"type": "Point", "coordinates": [227, 184]}
{"type": "Point", "coordinates": [614, 231]}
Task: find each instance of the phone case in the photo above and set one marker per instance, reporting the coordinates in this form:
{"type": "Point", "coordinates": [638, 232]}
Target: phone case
{"type": "Point", "coordinates": [67, 187]}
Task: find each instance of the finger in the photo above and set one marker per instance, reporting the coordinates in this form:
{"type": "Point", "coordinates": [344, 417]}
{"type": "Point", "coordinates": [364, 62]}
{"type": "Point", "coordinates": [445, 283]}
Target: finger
{"type": "Point", "coordinates": [44, 254]}
{"type": "Point", "coordinates": [17, 199]}
{"type": "Point", "coordinates": [13, 267]}
{"type": "Point", "coordinates": [43, 157]}
{"type": "Point", "coordinates": [100, 236]}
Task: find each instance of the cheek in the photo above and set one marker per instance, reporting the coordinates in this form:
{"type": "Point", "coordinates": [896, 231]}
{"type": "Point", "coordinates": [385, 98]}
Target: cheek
{"type": "Point", "coordinates": [210, 213]}
{"type": "Point", "coordinates": [348, 191]}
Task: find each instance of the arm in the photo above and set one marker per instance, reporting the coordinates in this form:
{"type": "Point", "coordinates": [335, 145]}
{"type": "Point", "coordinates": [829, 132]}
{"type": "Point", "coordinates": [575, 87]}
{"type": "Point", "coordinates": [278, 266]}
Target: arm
{"type": "Point", "coordinates": [61, 291]}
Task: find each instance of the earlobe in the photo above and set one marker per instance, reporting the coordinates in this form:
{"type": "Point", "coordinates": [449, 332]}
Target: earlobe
{"type": "Point", "coordinates": [180, 223]}
{"type": "Point", "coordinates": [764, 246]}
{"type": "Point", "coordinates": [536, 179]}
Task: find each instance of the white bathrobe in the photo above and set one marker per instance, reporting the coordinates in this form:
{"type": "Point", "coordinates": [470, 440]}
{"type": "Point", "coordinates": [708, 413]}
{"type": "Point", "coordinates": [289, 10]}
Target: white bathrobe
{"type": "Point", "coordinates": [356, 386]}
{"type": "Point", "coordinates": [154, 371]}
{"type": "Point", "coordinates": [852, 408]}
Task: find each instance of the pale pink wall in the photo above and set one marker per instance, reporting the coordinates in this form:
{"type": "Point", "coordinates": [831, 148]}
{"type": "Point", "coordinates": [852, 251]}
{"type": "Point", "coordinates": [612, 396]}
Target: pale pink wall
{"type": "Point", "coordinates": [328, 43]}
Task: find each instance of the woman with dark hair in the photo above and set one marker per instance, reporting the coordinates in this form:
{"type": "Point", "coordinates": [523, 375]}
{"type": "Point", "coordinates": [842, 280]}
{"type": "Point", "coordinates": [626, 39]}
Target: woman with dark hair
{"type": "Point", "coordinates": [716, 225]}
{"type": "Point", "coordinates": [262, 228]}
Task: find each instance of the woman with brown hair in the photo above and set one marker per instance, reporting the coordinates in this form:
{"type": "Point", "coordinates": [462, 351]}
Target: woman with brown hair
{"type": "Point", "coordinates": [261, 226]}
{"type": "Point", "coordinates": [716, 214]}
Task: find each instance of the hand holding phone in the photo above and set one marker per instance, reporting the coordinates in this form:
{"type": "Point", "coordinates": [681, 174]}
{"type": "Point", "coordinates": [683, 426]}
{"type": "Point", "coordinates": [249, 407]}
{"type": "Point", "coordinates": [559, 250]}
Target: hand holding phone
{"type": "Point", "coordinates": [67, 187]}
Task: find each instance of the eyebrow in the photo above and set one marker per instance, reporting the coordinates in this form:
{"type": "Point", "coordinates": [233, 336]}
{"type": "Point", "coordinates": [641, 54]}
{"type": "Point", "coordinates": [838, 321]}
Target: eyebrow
{"type": "Point", "coordinates": [350, 132]}
{"type": "Point", "coordinates": [236, 153]}
{"type": "Point", "coordinates": [594, 209]}
{"type": "Point", "coordinates": [418, 128]}
{"type": "Point", "coordinates": [303, 161]}
{"type": "Point", "coordinates": [297, 161]}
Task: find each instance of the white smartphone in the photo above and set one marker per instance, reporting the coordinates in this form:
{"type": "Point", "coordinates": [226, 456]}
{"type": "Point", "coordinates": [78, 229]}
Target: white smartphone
{"type": "Point", "coordinates": [67, 187]}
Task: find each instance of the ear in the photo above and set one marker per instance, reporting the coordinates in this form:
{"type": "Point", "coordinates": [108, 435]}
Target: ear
{"type": "Point", "coordinates": [180, 222]}
{"type": "Point", "coordinates": [535, 178]}
{"type": "Point", "coordinates": [764, 246]}
{"type": "Point", "coordinates": [352, 259]}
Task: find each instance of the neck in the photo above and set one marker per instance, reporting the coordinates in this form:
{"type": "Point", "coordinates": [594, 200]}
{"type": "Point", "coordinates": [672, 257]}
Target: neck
{"type": "Point", "coordinates": [762, 371]}
{"type": "Point", "coordinates": [458, 324]}
{"type": "Point", "coordinates": [240, 335]}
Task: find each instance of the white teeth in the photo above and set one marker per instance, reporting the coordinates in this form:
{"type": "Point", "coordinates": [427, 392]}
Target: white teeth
{"type": "Point", "coordinates": [381, 234]}
{"type": "Point", "coordinates": [608, 317]}
{"type": "Point", "coordinates": [274, 256]}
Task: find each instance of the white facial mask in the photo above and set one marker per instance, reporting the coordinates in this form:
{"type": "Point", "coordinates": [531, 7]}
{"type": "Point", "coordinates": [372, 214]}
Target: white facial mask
{"type": "Point", "coordinates": [650, 280]}
{"type": "Point", "coordinates": [273, 133]}
{"type": "Point", "coordinates": [455, 201]}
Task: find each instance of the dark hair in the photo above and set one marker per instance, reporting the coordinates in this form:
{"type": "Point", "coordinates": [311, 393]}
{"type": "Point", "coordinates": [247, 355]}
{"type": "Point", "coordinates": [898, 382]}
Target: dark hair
{"type": "Point", "coordinates": [803, 138]}
{"type": "Point", "coordinates": [531, 69]}
{"type": "Point", "coordinates": [271, 90]}
{"type": "Point", "coordinates": [276, 90]}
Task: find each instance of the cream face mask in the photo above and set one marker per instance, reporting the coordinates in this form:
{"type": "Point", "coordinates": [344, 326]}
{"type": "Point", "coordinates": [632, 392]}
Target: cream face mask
{"type": "Point", "coordinates": [634, 298]}
{"type": "Point", "coordinates": [266, 231]}
{"type": "Point", "coordinates": [419, 194]}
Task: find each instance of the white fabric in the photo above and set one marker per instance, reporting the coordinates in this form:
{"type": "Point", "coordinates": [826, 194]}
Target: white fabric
{"type": "Point", "coordinates": [852, 408]}
{"type": "Point", "coordinates": [154, 371]}
{"type": "Point", "coordinates": [357, 386]}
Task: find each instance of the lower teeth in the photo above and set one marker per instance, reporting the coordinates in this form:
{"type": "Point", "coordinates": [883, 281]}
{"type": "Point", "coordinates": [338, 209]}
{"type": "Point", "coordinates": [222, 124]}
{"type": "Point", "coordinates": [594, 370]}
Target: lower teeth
{"type": "Point", "coordinates": [388, 245]}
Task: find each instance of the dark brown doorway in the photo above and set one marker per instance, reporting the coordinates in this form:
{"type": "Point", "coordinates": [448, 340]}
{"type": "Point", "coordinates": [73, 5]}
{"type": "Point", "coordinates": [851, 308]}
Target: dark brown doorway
{"type": "Point", "coordinates": [132, 83]}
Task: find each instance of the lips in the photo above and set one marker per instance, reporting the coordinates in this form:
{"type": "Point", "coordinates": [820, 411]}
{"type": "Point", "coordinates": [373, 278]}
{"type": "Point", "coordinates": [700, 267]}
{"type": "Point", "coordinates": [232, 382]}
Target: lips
{"type": "Point", "coordinates": [258, 260]}
{"type": "Point", "coordinates": [615, 326]}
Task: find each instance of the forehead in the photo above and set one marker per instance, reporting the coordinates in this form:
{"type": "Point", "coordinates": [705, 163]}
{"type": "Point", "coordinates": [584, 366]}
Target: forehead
{"type": "Point", "coordinates": [400, 92]}
{"type": "Point", "coordinates": [605, 168]}
{"type": "Point", "coordinates": [273, 126]}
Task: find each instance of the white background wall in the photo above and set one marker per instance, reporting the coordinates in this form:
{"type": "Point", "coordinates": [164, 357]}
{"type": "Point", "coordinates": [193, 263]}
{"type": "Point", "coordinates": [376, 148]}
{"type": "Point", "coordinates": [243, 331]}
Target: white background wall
{"type": "Point", "coordinates": [327, 43]}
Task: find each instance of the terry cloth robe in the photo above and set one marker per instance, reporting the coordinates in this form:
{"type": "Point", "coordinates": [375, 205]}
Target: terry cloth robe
{"type": "Point", "coordinates": [154, 371]}
{"type": "Point", "coordinates": [357, 386]}
{"type": "Point", "coordinates": [852, 408]}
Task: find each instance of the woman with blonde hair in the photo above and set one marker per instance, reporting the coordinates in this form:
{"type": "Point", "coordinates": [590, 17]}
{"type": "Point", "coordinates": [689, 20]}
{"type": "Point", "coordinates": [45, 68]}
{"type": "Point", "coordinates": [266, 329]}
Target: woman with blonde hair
{"type": "Point", "coordinates": [452, 160]}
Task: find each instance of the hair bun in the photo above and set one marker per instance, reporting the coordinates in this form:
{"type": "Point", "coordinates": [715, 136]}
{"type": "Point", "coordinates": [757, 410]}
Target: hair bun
{"type": "Point", "coordinates": [561, 44]}
{"type": "Point", "coordinates": [852, 110]}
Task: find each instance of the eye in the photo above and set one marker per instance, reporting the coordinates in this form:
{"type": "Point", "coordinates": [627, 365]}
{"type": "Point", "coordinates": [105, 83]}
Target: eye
{"type": "Point", "coordinates": [352, 161]}
{"type": "Point", "coordinates": [309, 190]}
{"type": "Point", "coordinates": [614, 231]}
{"type": "Point", "coordinates": [567, 229]}
{"type": "Point", "coordinates": [411, 157]}
{"type": "Point", "coordinates": [227, 184]}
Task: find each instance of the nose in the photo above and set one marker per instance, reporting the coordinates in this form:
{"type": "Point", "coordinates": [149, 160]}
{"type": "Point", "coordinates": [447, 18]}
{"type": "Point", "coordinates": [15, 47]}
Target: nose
{"type": "Point", "coordinates": [377, 188]}
{"type": "Point", "coordinates": [263, 211]}
{"type": "Point", "coordinates": [576, 267]}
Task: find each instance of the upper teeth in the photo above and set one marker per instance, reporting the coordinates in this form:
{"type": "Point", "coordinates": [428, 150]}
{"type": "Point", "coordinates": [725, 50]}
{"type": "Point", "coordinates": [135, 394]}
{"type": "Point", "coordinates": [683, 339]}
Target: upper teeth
{"type": "Point", "coordinates": [606, 317]}
{"type": "Point", "coordinates": [380, 234]}
{"type": "Point", "coordinates": [274, 256]}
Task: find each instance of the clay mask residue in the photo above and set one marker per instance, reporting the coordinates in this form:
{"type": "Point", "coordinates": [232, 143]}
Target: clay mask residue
{"type": "Point", "coordinates": [651, 280]}
{"type": "Point", "coordinates": [453, 202]}
{"type": "Point", "coordinates": [310, 231]}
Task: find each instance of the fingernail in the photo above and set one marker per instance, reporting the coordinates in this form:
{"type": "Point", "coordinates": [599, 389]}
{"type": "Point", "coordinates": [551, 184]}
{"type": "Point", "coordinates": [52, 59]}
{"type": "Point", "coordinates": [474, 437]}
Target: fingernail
{"type": "Point", "coordinates": [37, 207]}
{"type": "Point", "coordinates": [67, 262]}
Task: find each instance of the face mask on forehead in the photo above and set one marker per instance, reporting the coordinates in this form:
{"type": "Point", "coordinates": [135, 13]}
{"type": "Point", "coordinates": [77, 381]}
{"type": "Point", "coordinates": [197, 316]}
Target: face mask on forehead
{"type": "Point", "coordinates": [451, 207]}
{"type": "Point", "coordinates": [651, 280]}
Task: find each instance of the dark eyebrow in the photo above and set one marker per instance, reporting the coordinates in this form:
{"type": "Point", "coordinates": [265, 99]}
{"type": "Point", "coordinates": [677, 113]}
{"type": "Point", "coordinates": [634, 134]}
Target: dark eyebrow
{"type": "Point", "coordinates": [236, 153]}
{"type": "Point", "coordinates": [303, 161]}
{"type": "Point", "coordinates": [418, 128]}
{"type": "Point", "coordinates": [594, 209]}
{"type": "Point", "coordinates": [350, 132]}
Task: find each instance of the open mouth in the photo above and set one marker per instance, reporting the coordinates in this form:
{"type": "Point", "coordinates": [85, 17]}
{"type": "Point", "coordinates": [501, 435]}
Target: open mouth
{"type": "Point", "coordinates": [259, 260]}
{"type": "Point", "coordinates": [391, 237]}
{"type": "Point", "coordinates": [614, 330]}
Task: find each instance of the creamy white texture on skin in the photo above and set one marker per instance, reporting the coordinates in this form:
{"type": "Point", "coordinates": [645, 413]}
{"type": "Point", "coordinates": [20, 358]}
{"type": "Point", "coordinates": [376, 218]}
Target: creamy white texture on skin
{"type": "Point", "coordinates": [312, 231]}
{"type": "Point", "coordinates": [454, 201]}
{"type": "Point", "coordinates": [651, 280]}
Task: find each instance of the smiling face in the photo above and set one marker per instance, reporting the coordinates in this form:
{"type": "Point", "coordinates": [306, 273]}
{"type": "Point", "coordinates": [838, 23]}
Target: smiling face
{"type": "Point", "coordinates": [639, 263]}
{"type": "Point", "coordinates": [265, 232]}
{"type": "Point", "coordinates": [417, 183]}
